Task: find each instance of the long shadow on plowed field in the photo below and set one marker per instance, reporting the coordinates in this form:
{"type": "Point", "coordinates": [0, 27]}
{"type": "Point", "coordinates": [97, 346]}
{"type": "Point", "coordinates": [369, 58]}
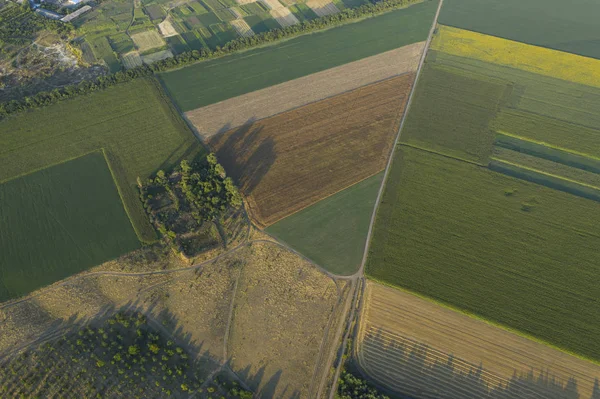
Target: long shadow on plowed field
{"type": "Point", "coordinates": [40, 366]}
{"type": "Point", "coordinates": [418, 371]}
{"type": "Point", "coordinates": [247, 170]}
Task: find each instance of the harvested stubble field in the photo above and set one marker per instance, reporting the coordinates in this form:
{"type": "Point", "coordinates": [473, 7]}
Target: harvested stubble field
{"type": "Point", "coordinates": [282, 310]}
{"type": "Point", "coordinates": [513, 252]}
{"type": "Point", "coordinates": [539, 60]}
{"type": "Point", "coordinates": [322, 7]}
{"type": "Point", "coordinates": [412, 345]}
{"type": "Point", "coordinates": [574, 23]}
{"type": "Point", "coordinates": [287, 162]}
{"type": "Point", "coordinates": [332, 232]}
{"type": "Point", "coordinates": [260, 104]}
{"type": "Point", "coordinates": [59, 221]}
{"type": "Point", "coordinates": [134, 123]}
{"type": "Point", "coordinates": [212, 81]}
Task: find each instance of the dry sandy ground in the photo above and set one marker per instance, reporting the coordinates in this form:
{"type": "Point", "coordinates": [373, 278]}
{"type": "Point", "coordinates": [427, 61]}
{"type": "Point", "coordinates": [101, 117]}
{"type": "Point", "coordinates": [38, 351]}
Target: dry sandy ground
{"type": "Point", "coordinates": [282, 309]}
{"type": "Point", "coordinates": [167, 29]}
{"type": "Point", "coordinates": [242, 27]}
{"type": "Point", "coordinates": [395, 323]}
{"type": "Point", "coordinates": [322, 7]}
{"type": "Point", "coordinates": [287, 162]}
{"type": "Point", "coordinates": [264, 103]}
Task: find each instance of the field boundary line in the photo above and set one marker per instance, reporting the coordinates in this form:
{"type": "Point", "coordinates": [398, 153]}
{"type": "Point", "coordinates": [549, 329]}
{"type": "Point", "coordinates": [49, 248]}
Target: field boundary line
{"type": "Point", "coordinates": [434, 152]}
{"type": "Point", "coordinates": [396, 141]}
{"type": "Point", "coordinates": [483, 319]}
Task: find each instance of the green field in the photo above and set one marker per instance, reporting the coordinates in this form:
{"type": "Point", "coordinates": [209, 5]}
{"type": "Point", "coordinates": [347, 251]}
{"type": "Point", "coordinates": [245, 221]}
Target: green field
{"type": "Point", "coordinates": [134, 122]}
{"type": "Point", "coordinates": [59, 221]}
{"type": "Point", "coordinates": [574, 23]}
{"type": "Point", "coordinates": [333, 231]}
{"type": "Point", "coordinates": [451, 114]}
{"type": "Point", "coordinates": [513, 252]}
{"type": "Point", "coordinates": [216, 80]}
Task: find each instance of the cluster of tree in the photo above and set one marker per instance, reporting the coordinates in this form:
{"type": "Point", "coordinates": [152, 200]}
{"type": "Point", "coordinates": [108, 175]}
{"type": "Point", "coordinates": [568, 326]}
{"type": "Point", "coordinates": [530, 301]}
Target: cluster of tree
{"type": "Point", "coordinates": [122, 357]}
{"type": "Point", "coordinates": [352, 387]}
{"type": "Point", "coordinates": [200, 189]}
{"type": "Point", "coordinates": [242, 43]}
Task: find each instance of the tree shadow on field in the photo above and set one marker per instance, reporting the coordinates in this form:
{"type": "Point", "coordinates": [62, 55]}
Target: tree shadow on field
{"type": "Point", "coordinates": [429, 374]}
{"type": "Point", "coordinates": [246, 154]}
{"type": "Point", "coordinates": [29, 358]}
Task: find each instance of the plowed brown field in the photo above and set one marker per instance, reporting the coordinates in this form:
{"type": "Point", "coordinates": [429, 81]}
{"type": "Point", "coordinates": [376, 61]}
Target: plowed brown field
{"type": "Point", "coordinates": [292, 160]}
{"type": "Point", "coordinates": [416, 347]}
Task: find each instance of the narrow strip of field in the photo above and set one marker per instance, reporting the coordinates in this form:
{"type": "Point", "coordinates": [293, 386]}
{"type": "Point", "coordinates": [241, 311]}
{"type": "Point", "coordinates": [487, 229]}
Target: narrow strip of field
{"type": "Point", "coordinates": [413, 345]}
{"type": "Point", "coordinates": [60, 221]}
{"type": "Point", "coordinates": [513, 54]}
{"type": "Point", "coordinates": [217, 80]}
{"type": "Point", "coordinates": [260, 104]}
{"type": "Point", "coordinates": [514, 252]}
{"type": "Point", "coordinates": [333, 231]}
{"type": "Point", "coordinates": [574, 23]}
{"type": "Point", "coordinates": [290, 161]}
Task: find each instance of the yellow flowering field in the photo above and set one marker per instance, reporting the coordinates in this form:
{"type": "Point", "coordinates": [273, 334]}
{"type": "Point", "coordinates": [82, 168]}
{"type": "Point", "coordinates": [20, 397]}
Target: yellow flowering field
{"type": "Point", "coordinates": [557, 64]}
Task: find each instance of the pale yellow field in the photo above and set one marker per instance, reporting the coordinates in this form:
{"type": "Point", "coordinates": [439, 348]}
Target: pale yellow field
{"type": "Point", "coordinates": [543, 61]}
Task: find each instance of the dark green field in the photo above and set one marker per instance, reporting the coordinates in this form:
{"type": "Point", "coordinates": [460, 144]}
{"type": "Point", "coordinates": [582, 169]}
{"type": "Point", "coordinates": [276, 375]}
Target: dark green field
{"type": "Point", "coordinates": [513, 252]}
{"type": "Point", "coordinates": [58, 222]}
{"type": "Point", "coordinates": [333, 231]}
{"type": "Point", "coordinates": [562, 25]}
{"type": "Point", "coordinates": [134, 122]}
{"type": "Point", "coordinates": [212, 81]}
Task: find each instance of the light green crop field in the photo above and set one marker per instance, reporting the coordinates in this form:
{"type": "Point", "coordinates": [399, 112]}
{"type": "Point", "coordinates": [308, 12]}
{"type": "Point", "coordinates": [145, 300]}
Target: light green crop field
{"type": "Point", "coordinates": [134, 123]}
{"type": "Point", "coordinates": [333, 231]}
{"type": "Point", "coordinates": [212, 81]}
{"type": "Point", "coordinates": [574, 23]}
{"type": "Point", "coordinates": [514, 252]}
{"type": "Point", "coordinates": [59, 221]}
{"type": "Point", "coordinates": [451, 114]}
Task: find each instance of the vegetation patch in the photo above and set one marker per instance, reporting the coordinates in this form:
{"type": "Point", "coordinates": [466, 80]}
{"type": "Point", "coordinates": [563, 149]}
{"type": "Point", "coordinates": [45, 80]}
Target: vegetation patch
{"type": "Point", "coordinates": [148, 40]}
{"type": "Point", "coordinates": [213, 81]}
{"type": "Point", "coordinates": [187, 204]}
{"type": "Point", "coordinates": [134, 123]}
{"type": "Point", "coordinates": [574, 25]}
{"type": "Point", "coordinates": [290, 161]}
{"type": "Point", "coordinates": [333, 231]}
{"type": "Point", "coordinates": [122, 356]}
{"type": "Point", "coordinates": [60, 221]}
{"type": "Point", "coordinates": [513, 252]}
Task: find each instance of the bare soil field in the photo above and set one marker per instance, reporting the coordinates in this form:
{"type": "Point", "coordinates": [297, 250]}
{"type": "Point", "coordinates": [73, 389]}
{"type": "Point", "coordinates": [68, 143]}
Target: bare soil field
{"type": "Point", "coordinates": [242, 27]}
{"type": "Point", "coordinates": [167, 29]}
{"type": "Point", "coordinates": [287, 162]}
{"type": "Point", "coordinates": [282, 310]}
{"type": "Point", "coordinates": [322, 7]}
{"type": "Point", "coordinates": [412, 345]}
{"type": "Point", "coordinates": [260, 104]}
{"type": "Point", "coordinates": [284, 17]}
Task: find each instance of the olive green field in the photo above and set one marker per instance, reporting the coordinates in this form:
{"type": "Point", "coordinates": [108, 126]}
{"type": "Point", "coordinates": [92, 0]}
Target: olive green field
{"type": "Point", "coordinates": [59, 221]}
{"type": "Point", "coordinates": [333, 232]}
{"type": "Point", "coordinates": [139, 130]}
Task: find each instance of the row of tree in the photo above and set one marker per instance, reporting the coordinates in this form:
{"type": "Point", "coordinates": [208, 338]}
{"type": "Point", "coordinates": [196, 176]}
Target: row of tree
{"type": "Point", "coordinates": [186, 58]}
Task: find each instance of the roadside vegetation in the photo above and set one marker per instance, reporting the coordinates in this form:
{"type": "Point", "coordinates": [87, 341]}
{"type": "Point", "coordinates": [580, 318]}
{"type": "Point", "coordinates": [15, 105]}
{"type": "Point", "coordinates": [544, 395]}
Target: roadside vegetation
{"type": "Point", "coordinates": [352, 387]}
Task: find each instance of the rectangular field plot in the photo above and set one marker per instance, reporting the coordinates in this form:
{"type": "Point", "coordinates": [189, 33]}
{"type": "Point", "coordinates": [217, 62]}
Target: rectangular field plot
{"type": "Point", "coordinates": [212, 81]}
{"type": "Point", "coordinates": [59, 221]}
{"type": "Point", "coordinates": [574, 23]}
{"type": "Point", "coordinates": [419, 348]}
{"type": "Point", "coordinates": [332, 233]}
{"type": "Point", "coordinates": [147, 40]}
{"type": "Point", "coordinates": [134, 122]}
{"type": "Point", "coordinates": [290, 161]}
{"type": "Point", "coordinates": [516, 253]}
